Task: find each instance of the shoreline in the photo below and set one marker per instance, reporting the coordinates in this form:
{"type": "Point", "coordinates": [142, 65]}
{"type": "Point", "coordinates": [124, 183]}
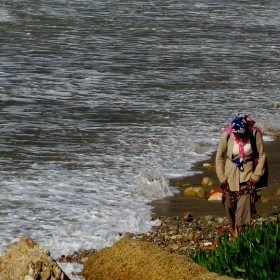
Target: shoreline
{"type": "Point", "coordinates": [179, 204]}
{"type": "Point", "coordinates": [206, 221]}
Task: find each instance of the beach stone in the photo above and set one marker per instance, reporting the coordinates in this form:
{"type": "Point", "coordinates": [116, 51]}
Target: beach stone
{"type": "Point", "coordinates": [130, 259]}
{"type": "Point", "coordinates": [83, 260]}
{"type": "Point", "coordinates": [26, 260]}
{"type": "Point", "coordinates": [185, 238]}
{"type": "Point", "coordinates": [172, 232]}
{"type": "Point", "coordinates": [187, 217]}
{"type": "Point", "coordinates": [208, 218]}
{"type": "Point", "coordinates": [216, 197]}
{"type": "Point", "coordinates": [207, 182]}
{"type": "Point", "coordinates": [177, 236]}
{"type": "Point", "coordinates": [212, 168]}
{"type": "Point", "coordinates": [173, 228]}
{"type": "Point", "coordinates": [190, 236]}
{"type": "Point", "coordinates": [172, 248]}
{"type": "Point", "coordinates": [221, 219]}
{"type": "Point", "coordinates": [207, 248]}
{"type": "Point", "coordinates": [183, 249]}
{"type": "Point", "coordinates": [265, 200]}
{"type": "Point", "coordinates": [194, 191]}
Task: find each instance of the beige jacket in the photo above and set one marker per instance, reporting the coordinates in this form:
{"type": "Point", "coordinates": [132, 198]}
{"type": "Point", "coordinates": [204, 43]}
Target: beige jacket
{"type": "Point", "coordinates": [227, 170]}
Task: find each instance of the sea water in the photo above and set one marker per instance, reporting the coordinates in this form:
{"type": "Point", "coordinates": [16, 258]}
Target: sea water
{"type": "Point", "coordinates": [102, 102]}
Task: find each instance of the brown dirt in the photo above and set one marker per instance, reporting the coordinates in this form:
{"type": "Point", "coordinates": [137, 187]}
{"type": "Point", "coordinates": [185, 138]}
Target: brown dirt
{"type": "Point", "coordinates": [138, 260]}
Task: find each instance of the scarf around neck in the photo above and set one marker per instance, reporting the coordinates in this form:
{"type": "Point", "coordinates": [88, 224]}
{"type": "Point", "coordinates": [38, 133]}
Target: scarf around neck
{"type": "Point", "coordinates": [244, 141]}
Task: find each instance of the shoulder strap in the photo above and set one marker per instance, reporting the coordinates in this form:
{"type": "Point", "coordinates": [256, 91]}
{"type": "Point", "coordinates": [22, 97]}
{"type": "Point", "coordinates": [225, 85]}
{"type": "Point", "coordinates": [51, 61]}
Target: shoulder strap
{"type": "Point", "coordinates": [253, 143]}
{"type": "Point", "coordinates": [228, 136]}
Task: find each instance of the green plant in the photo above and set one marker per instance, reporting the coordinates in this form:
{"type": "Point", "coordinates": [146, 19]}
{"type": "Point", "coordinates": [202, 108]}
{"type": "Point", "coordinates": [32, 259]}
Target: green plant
{"type": "Point", "coordinates": [255, 254]}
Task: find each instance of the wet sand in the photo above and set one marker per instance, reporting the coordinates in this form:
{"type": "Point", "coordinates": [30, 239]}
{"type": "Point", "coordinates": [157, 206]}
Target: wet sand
{"type": "Point", "coordinates": [179, 204]}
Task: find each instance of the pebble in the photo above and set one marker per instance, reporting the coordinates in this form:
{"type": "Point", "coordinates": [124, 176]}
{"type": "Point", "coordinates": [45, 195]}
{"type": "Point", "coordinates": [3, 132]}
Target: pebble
{"type": "Point", "coordinates": [184, 237]}
{"type": "Point", "coordinates": [192, 235]}
{"type": "Point", "coordinates": [207, 182]}
{"type": "Point", "coordinates": [265, 200]}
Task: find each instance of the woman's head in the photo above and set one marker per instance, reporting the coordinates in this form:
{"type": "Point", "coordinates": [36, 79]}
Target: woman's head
{"type": "Point", "coordinates": [240, 125]}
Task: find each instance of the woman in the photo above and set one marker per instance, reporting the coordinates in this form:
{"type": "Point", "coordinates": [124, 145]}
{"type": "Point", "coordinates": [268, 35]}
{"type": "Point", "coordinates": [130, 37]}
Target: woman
{"type": "Point", "coordinates": [235, 169]}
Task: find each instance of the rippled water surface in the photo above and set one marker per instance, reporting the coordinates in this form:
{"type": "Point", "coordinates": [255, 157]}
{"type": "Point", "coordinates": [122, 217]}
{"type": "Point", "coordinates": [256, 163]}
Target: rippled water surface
{"type": "Point", "coordinates": [98, 98]}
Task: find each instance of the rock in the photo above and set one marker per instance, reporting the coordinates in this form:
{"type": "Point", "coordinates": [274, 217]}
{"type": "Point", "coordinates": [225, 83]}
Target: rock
{"type": "Point", "coordinates": [187, 217]}
{"type": "Point", "coordinates": [207, 244]}
{"type": "Point", "coordinates": [278, 192]}
{"type": "Point", "coordinates": [177, 236]}
{"type": "Point", "coordinates": [194, 191]}
{"type": "Point", "coordinates": [207, 248]}
{"type": "Point", "coordinates": [216, 195]}
{"type": "Point", "coordinates": [208, 218]}
{"type": "Point", "coordinates": [83, 260]}
{"type": "Point", "coordinates": [212, 168]}
{"type": "Point", "coordinates": [183, 249]}
{"type": "Point", "coordinates": [184, 239]}
{"type": "Point", "coordinates": [207, 182]}
{"type": "Point", "coordinates": [190, 236]}
{"type": "Point", "coordinates": [142, 260]}
{"type": "Point", "coordinates": [265, 200]}
{"type": "Point", "coordinates": [172, 248]}
{"type": "Point", "coordinates": [26, 260]}
{"type": "Point", "coordinates": [276, 209]}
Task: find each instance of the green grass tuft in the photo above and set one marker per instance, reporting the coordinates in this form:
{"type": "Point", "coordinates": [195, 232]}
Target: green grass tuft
{"type": "Point", "coordinates": [255, 254]}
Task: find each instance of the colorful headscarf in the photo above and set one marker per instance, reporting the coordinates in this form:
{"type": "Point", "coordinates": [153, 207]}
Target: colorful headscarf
{"type": "Point", "coordinates": [242, 124]}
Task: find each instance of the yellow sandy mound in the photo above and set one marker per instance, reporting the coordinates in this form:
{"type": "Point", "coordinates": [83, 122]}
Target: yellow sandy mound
{"type": "Point", "coordinates": [139, 260]}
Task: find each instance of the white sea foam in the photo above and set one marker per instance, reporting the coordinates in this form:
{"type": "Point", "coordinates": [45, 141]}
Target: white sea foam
{"type": "Point", "coordinates": [153, 184]}
{"type": "Point", "coordinates": [98, 113]}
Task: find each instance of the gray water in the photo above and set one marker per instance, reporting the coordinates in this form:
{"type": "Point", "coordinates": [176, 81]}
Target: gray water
{"type": "Point", "coordinates": [99, 98]}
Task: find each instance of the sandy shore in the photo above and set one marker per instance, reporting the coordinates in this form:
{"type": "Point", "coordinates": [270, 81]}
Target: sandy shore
{"type": "Point", "coordinates": [179, 204]}
{"type": "Point", "coordinates": [201, 227]}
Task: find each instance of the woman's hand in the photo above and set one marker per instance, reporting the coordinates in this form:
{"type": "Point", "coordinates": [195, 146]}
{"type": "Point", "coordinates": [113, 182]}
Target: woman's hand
{"type": "Point", "coordinates": [253, 182]}
{"type": "Point", "coordinates": [224, 185]}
